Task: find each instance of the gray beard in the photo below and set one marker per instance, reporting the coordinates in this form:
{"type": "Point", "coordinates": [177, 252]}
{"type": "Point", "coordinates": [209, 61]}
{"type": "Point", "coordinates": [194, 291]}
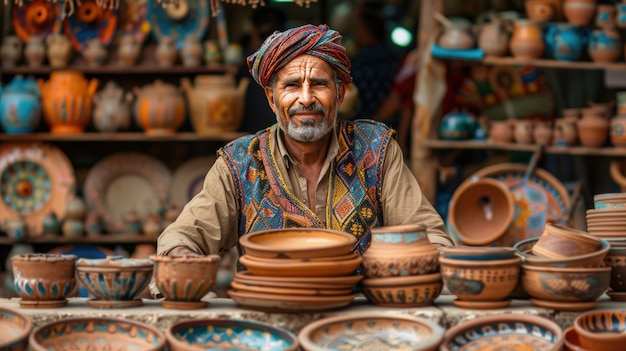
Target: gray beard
{"type": "Point", "coordinates": [309, 132]}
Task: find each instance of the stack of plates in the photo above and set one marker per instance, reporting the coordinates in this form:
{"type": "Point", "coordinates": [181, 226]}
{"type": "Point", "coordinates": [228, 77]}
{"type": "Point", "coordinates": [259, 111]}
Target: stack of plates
{"type": "Point", "coordinates": [608, 223]}
{"type": "Point", "coordinates": [294, 270]}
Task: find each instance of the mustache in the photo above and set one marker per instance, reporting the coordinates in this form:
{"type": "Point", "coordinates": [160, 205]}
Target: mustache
{"type": "Point", "coordinates": [312, 108]}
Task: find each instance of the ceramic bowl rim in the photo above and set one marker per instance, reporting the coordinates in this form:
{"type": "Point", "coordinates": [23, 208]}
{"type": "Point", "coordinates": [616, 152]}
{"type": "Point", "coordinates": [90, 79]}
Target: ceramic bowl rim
{"type": "Point", "coordinates": [399, 228]}
{"type": "Point", "coordinates": [114, 262]}
{"type": "Point", "coordinates": [309, 328]}
{"type": "Point", "coordinates": [185, 259]}
{"type": "Point", "coordinates": [544, 322]}
{"type": "Point", "coordinates": [591, 336]}
{"type": "Point", "coordinates": [537, 260]}
{"type": "Point", "coordinates": [23, 336]}
{"type": "Point", "coordinates": [477, 251]}
{"type": "Point", "coordinates": [411, 280]}
{"type": "Point", "coordinates": [447, 261]}
{"type": "Point", "coordinates": [171, 338]}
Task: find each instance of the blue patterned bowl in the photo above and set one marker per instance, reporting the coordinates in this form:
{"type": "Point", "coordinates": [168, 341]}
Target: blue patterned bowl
{"type": "Point", "coordinates": [114, 278]}
{"type": "Point", "coordinates": [371, 330]}
{"type": "Point", "coordinates": [504, 332]}
{"type": "Point", "coordinates": [15, 328]}
{"type": "Point", "coordinates": [601, 330]}
{"type": "Point", "coordinates": [228, 334]}
{"type": "Point", "coordinates": [565, 284]}
{"type": "Point", "coordinates": [96, 333]}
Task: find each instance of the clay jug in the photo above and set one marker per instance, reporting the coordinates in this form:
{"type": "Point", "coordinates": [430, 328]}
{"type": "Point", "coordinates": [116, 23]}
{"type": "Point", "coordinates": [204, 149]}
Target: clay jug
{"type": "Point", "coordinates": [526, 40]}
{"type": "Point", "coordinates": [564, 41]}
{"type": "Point", "coordinates": [128, 50]}
{"type": "Point", "coordinates": [579, 12]}
{"type": "Point", "coordinates": [11, 51]}
{"type": "Point", "coordinates": [457, 36]}
{"type": "Point", "coordinates": [166, 52]}
{"type": "Point", "coordinates": [540, 11]}
{"type": "Point", "coordinates": [523, 132]}
{"type": "Point", "coordinates": [605, 45]}
{"type": "Point", "coordinates": [565, 133]}
{"type": "Point", "coordinates": [215, 102]}
{"type": "Point", "coordinates": [20, 107]}
{"type": "Point", "coordinates": [59, 50]}
{"type": "Point", "coordinates": [493, 37]}
{"type": "Point", "coordinates": [542, 133]}
{"type": "Point", "coordinates": [593, 128]}
{"type": "Point", "coordinates": [35, 51]}
{"type": "Point", "coordinates": [111, 109]}
{"type": "Point", "coordinates": [159, 108]}
{"type": "Point", "coordinates": [95, 53]}
{"type": "Point", "coordinates": [66, 99]}
{"type": "Point", "coordinates": [191, 52]}
{"type": "Point", "coordinates": [501, 131]}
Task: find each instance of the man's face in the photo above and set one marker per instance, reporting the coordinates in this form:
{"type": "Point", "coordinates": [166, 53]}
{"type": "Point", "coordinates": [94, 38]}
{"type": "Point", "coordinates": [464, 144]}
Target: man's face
{"type": "Point", "coordinates": [305, 98]}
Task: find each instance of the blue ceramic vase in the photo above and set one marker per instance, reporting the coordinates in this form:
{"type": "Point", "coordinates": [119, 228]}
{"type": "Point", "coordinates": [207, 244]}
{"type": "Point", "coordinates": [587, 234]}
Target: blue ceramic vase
{"type": "Point", "coordinates": [564, 41]}
{"type": "Point", "coordinates": [20, 106]}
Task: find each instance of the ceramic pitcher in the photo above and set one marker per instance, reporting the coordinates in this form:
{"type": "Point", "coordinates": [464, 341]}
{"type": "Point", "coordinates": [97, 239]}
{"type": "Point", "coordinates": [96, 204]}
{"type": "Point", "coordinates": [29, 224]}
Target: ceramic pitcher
{"type": "Point", "coordinates": [526, 40]}
{"type": "Point", "coordinates": [20, 109]}
{"type": "Point", "coordinates": [493, 37]}
{"type": "Point", "coordinates": [159, 108]}
{"type": "Point", "coordinates": [565, 41]}
{"type": "Point", "coordinates": [112, 111]}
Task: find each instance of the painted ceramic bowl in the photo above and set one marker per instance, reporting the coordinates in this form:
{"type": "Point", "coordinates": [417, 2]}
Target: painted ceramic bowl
{"type": "Point", "coordinates": [601, 330]}
{"type": "Point", "coordinates": [504, 332]}
{"type": "Point", "coordinates": [524, 248]}
{"type": "Point", "coordinates": [616, 259]}
{"type": "Point", "coordinates": [115, 278]}
{"type": "Point", "coordinates": [562, 242]}
{"type": "Point", "coordinates": [411, 291]}
{"type": "Point", "coordinates": [399, 261]}
{"type": "Point", "coordinates": [485, 253]}
{"type": "Point", "coordinates": [297, 243]}
{"type": "Point", "coordinates": [572, 341]}
{"type": "Point", "coordinates": [277, 268]}
{"type": "Point", "coordinates": [185, 280]}
{"type": "Point", "coordinates": [564, 284]}
{"type": "Point", "coordinates": [15, 328]}
{"type": "Point", "coordinates": [43, 280]}
{"type": "Point", "coordinates": [358, 331]}
{"type": "Point", "coordinates": [102, 333]}
{"type": "Point", "coordinates": [228, 334]}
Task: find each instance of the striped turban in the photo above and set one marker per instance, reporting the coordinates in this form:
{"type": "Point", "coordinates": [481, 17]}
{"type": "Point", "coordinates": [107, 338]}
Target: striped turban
{"type": "Point", "coordinates": [282, 47]}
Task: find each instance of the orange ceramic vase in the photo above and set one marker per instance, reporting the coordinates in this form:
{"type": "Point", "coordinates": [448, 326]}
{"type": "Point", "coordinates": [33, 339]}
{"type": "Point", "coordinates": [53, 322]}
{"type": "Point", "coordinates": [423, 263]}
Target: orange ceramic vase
{"type": "Point", "coordinates": [527, 40]}
{"type": "Point", "coordinates": [579, 12]}
{"type": "Point", "coordinates": [160, 108]}
{"type": "Point", "coordinates": [593, 128]}
{"type": "Point", "coordinates": [66, 100]}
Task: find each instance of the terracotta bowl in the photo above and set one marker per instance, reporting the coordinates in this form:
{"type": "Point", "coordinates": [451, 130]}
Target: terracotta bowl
{"type": "Point", "coordinates": [472, 253]}
{"type": "Point", "coordinates": [105, 332]}
{"type": "Point", "coordinates": [616, 259]}
{"type": "Point", "coordinates": [228, 334]}
{"type": "Point", "coordinates": [481, 211]}
{"type": "Point", "coordinates": [339, 282]}
{"type": "Point", "coordinates": [412, 291]}
{"type": "Point", "coordinates": [300, 269]}
{"type": "Point", "coordinates": [524, 249]}
{"type": "Point", "coordinates": [609, 200]}
{"type": "Point", "coordinates": [489, 280]}
{"type": "Point", "coordinates": [601, 330]}
{"type": "Point", "coordinates": [400, 262]}
{"type": "Point", "coordinates": [15, 328]}
{"type": "Point", "coordinates": [357, 331]}
{"type": "Point", "coordinates": [185, 280]}
{"type": "Point", "coordinates": [572, 341]}
{"type": "Point", "coordinates": [565, 284]}
{"type": "Point", "coordinates": [115, 278]}
{"type": "Point", "coordinates": [507, 331]}
{"type": "Point", "coordinates": [297, 243]}
{"type": "Point", "coordinates": [272, 302]}
{"type": "Point", "coordinates": [43, 280]}
{"type": "Point", "coordinates": [562, 242]}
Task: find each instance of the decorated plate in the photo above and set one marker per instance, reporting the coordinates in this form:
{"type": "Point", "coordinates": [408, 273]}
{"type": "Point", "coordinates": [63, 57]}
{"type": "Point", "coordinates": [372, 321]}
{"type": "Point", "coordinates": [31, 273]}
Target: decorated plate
{"type": "Point", "coordinates": [188, 180]}
{"type": "Point", "coordinates": [90, 21]}
{"type": "Point", "coordinates": [543, 199]}
{"type": "Point", "coordinates": [134, 19]}
{"type": "Point", "coordinates": [186, 17]}
{"type": "Point", "coordinates": [36, 17]}
{"type": "Point", "coordinates": [35, 179]}
{"type": "Point", "coordinates": [124, 182]}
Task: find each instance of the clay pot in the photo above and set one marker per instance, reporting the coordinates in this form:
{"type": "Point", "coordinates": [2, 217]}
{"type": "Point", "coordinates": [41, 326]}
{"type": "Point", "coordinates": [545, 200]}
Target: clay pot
{"type": "Point", "coordinates": [542, 133]}
{"type": "Point", "coordinates": [166, 52]}
{"type": "Point", "coordinates": [481, 211]}
{"type": "Point", "coordinates": [66, 99]}
{"type": "Point", "coordinates": [95, 53]}
{"type": "Point", "coordinates": [579, 12]}
{"type": "Point", "coordinates": [20, 107]}
{"type": "Point", "coordinates": [605, 45]}
{"type": "Point", "coordinates": [620, 16]}
{"type": "Point", "coordinates": [160, 108]}
{"type": "Point", "coordinates": [618, 131]}
{"type": "Point", "coordinates": [605, 16]}
{"type": "Point", "coordinates": [51, 224]}
{"type": "Point", "coordinates": [523, 131]}
{"type": "Point", "coordinates": [540, 11]}
{"type": "Point", "coordinates": [561, 242]}
{"type": "Point", "coordinates": [35, 51]}
{"type": "Point", "coordinates": [593, 128]}
{"type": "Point", "coordinates": [16, 228]}
{"type": "Point", "coordinates": [565, 133]}
{"type": "Point", "coordinates": [233, 54]}
{"type": "Point", "coordinates": [111, 109]}
{"type": "Point", "coordinates": [191, 52]}
{"type": "Point", "coordinates": [567, 284]}
{"type": "Point", "coordinates": [128, 50]}
{"type": "Point", "coordinates": [76, 209]}
{"type": "Point", "coordinates": [616, 259]}
{"type": "Point", "coordinates": [501, 131]}
{"type": "Point", "coordinates": [493, 37]}
{"type": "Point", "coordinates": [526, 40]}
{"type": "Point", "coordinates": [43, 280]}
{"type": "Point", "coordinates": [408, 291]}
{"type": "Point", "coordinates": [73, 228]}
{"type": "Point", "coordinates": [457, 36]}
{"type": "Point", "coordinates": [59, 51]}
{"type": "Point", "coordinates": [215, 102]}
{"type": "Point", "coordinates": [601, 330]}
{"type": "Point", "coordinates": [11, 50]}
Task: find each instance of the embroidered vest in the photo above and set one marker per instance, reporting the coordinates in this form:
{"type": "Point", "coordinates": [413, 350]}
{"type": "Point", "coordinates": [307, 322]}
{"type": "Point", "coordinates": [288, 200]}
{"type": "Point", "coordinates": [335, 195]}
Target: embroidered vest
{"type": "Point", "coordinates": [353, 193]}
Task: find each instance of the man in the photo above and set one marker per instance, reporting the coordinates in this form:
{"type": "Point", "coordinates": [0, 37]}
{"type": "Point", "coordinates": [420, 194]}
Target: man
{"type": "Point", "coordinates": [307, 170]}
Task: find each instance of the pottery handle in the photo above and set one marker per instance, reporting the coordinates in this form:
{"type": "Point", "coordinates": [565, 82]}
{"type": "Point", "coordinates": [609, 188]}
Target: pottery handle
{"type": "Point", "coordinates": [617, 175]}
{"type": "Point", "coordinates": [93, 86]}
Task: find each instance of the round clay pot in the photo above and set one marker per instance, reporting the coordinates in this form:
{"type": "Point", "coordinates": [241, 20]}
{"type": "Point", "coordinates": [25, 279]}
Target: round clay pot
{"type": "Point", "coordinates": [565, 133]}
{"type": "Point", "coordinates": [523, 131]}
{"type": "Point", "coordinates": [579, 12]}
{"type": "Point", "coordinates": [593, 129]}
{"type": "Point", "coordinates": [501, 131]}
{"type": "Point", "coordinates": [605, 45]}
{"type": "Point", "coordinates": [481, 211]}
{"type": "Point", "coordinates": [616, 259]}
{"type": "Point", "coordinates": [160, 108]}
{"type": "Point", "coordinates": [457, 36]}
{"type": "Point", "coordinates": [601, 330]}
{"type": "Point", "coordinates": [542, 133]}
{"type": "Point", "coordinates": [526, 40]}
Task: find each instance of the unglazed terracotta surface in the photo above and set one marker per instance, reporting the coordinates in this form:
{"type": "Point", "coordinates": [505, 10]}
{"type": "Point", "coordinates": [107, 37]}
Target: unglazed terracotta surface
{"type": "Point", "coordinates": [594, 259]}
{"type": "Point", "coordinates": [96, 334]}
{"type": "Point", "coordinates": [568, 284]}
{"type": "Point", "coordinates": [561, 242]}
{"type": "Point", "coordinates": [601, 330]}
{"type": "Point", "coordinates": [412, 291]}
{"type": "Point", "coordinates": [339, 282]}
{"type": "Point", "coordinates": [289, 303]}
{"type": "Point", "coordinates": [370, 332]}
{"type": "Point", "coordinates": [225, 334]}
{"type": "Point", "coordinates": [15, 328]}
{"type": "Point", "coordinates": [478, 253]}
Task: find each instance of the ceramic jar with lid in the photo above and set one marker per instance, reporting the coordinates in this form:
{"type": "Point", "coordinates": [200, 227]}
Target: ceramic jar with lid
{"type": "Point", "coordinates": [159, 108]}
{"type": "Point", "coordinates": [112, 109]}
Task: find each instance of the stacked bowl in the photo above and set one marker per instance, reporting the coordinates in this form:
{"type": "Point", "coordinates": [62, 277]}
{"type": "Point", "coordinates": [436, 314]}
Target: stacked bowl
{"type": "Point", "coordinates": [401, 267]}
{"type": "Point", "coordinates": [296, 269]}
{"type": "Point", "coordinates": [563, 268]}
{"type": "Point", "coordinates": [480, 277]}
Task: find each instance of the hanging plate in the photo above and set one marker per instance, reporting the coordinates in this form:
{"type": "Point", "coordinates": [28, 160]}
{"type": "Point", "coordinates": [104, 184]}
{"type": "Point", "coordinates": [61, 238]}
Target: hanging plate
{"type": "Point", "coordinates": [36, 17]}
{"type": "Point", "coordinates": [187, 17]}
{"type": "Point", "coordinates": [90, 21]}
{"type": "Point", "coordinates": [134, 19]}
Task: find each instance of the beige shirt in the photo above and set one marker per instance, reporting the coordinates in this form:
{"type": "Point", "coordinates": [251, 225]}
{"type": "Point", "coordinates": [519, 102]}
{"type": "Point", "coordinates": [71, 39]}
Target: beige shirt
{"type": "Point", "coordinates": [209, 222]}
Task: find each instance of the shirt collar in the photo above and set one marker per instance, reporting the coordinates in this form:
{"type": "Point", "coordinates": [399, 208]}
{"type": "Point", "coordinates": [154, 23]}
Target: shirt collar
{"type": "Point", "coordinates": [333, 148]}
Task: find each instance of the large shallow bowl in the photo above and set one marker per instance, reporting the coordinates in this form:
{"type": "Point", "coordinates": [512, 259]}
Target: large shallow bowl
{"type": "Point", "coordinates": [359, 331]}
{"type": "Point", "coordinates": [301, 269]}
{"type": "Point", "coordinates": [601, 330]}
{"type": "Point", "coordinates": [289, 302]}
{"type": "Point", "coordinates": [14, 330]}
{"type": "Point", "coordinates": [228, 334]}
{"type": "Point", "coordinates": [565, 284]}
{"type": "Point", "coordinates": [593, 259]}
{"type": "Point", "coordinates": [96, 333]}
{"type": "Point", "coordinates": [507, 331]}
{"type": "Point", "coordinates": [297, 243]}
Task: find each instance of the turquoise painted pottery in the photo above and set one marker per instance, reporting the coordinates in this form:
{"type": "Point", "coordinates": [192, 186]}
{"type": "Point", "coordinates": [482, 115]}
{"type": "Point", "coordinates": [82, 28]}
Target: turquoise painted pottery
{"type": "Point", "coordinates": [228, 334]}
{"type": "Point", "coordinates": [96, 333]}
{"type": "Point", "coordinates": [605, 45]}
{"type": "Point", "coordinates": [504, 332]}
{"type": "Point", "coordinates": [609, 200]}
{"type": "Point", "coordinates": [20, 106]}
{"type": "Point", "coordinates": [565, 41]}
{"type": "Point", "coordinates": [114, 279]}
{"type": "Point", "coordinates": [15, 328]}
{"type": "Point", "coordinates": [371, 330]}
{"type": "Point", "coordinates": [457, 126]}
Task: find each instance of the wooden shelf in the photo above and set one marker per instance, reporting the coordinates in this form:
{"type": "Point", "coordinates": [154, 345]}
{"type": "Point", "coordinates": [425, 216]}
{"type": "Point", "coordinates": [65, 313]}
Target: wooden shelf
{"type": "Point", "coordinates": [126, 137]}
{"type": "Point", "coordinates": [546, 63]}
{"type": "Point", "coordinates": [101, 239]}
{"type": "Point", "coordinates": [487, 145]}
{"type": "Point", "coordinates": [146, 69]}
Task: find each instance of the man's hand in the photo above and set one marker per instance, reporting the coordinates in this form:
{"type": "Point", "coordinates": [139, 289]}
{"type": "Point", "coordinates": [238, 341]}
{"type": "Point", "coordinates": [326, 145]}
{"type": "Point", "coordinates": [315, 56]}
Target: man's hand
{"type": "Point", "coordinates": [183, 251]}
